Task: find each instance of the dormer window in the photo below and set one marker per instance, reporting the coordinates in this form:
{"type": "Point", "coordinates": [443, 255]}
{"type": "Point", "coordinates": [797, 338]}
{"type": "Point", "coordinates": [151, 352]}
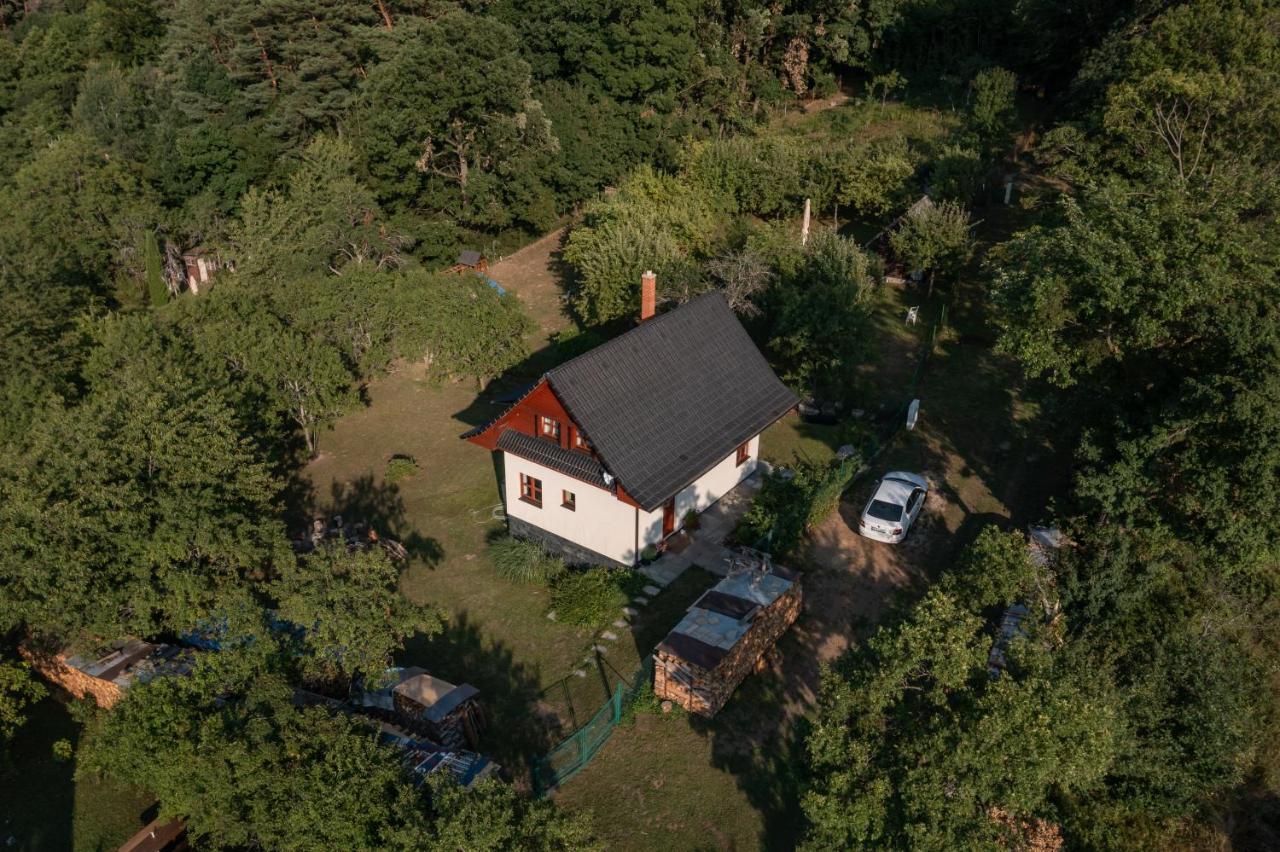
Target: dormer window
{"type": "Point", "coordinates": [580, 441]}
{"type": "Point", "coordinates": [549, 428]}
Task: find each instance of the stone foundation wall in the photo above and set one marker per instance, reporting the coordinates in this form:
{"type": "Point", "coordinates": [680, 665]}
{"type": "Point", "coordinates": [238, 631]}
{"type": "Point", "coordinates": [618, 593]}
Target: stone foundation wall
{"type": "Point", "coordinates": [572, 553]}
{"type": "Point", "coordinates": [706, 692]}
{"type": "Point", "coordinates": [55, 669]}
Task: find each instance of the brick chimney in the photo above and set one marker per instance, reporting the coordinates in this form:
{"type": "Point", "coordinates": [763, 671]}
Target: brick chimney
{"type": "Point", "coordinates": [648, 295]}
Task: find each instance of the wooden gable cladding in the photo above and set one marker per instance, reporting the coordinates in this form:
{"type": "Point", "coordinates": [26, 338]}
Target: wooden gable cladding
{"type": "Point", "coordinates": [524, 416]}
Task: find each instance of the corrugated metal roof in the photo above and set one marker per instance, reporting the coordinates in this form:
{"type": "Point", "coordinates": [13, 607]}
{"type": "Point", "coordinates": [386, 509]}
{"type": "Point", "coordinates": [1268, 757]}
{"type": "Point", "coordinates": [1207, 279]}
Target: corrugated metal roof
{"type": "Point", "coordinates": [720, 631]}
{"type": "Point", "coordinates": [757, 586]}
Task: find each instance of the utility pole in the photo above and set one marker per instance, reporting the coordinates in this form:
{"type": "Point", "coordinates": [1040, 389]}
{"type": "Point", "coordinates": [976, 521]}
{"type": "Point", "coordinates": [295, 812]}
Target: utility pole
{"type": "Point", "coordinates": [804, 229]}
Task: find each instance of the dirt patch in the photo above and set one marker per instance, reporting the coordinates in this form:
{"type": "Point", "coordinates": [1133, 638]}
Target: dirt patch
{"type": "Point", "coordinates": [534, 274]}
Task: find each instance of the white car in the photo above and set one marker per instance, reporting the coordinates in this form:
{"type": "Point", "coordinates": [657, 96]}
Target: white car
{"type": "Point", "coordinates": [893, 506]}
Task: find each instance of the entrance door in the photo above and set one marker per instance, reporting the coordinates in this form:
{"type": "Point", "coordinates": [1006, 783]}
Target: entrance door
{"type": "Point", "coordinates": [669, 517]}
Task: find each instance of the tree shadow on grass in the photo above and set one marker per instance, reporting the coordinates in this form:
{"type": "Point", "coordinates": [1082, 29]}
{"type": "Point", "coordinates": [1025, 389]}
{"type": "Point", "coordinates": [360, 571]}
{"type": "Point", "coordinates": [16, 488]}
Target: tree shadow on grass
{"type": "Point", "coordinates": [461, 653]}
{"type": "Point", "coordinates": [364, 500]}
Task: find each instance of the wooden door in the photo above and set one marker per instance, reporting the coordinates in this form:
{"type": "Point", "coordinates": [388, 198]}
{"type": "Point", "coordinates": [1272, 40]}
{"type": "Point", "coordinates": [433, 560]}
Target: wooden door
{"type": "Point", "coordinates": [669, 517]}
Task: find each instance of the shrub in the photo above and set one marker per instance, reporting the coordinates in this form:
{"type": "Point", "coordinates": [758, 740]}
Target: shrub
{"type": "Point", "coordinates": [956, 173]}
{"type": "Point", "coordinates": [591, 597]}
{"type": "Point", "coordinates": [524, 560]}
{"type": "Point", "coordinates": [400, 468]}
{"type": "Point", "coordinates": [647, 703]}
{"type": "Point", "coordinates": [572, 342]}
{"type": "Point", "coordinates": [789, 506]}
{"type": "Point", "coordinates": [63, 751]}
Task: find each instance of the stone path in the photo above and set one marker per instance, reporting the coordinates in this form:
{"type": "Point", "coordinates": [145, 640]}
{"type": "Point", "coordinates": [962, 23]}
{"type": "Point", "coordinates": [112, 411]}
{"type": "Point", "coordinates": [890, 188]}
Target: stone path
{"type": "Point", "coordinates": [714, 526]}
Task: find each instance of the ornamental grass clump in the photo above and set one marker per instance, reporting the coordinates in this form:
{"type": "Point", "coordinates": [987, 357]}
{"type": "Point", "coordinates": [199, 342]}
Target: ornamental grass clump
{"type": "Point", "coordinates": [524, 561]}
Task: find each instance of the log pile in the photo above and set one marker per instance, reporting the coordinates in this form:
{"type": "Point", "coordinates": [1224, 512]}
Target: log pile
{"type": "Point", "coordinates": [726, 634]}
{"type": "Point", "coordinates": [107, 677]}
{"type": "Point", "coordinates": [449, 715]}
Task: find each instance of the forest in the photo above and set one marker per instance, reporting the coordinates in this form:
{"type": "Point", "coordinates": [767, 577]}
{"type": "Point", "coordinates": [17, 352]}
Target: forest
{"type": "Point", "coordinates": [335, 157]}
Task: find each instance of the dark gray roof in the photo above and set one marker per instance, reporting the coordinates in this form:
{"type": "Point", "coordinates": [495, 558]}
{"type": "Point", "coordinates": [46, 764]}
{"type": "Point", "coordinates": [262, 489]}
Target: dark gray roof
{"type": "Point", "coordinates": [467, 257]}
{"type": "Point", "coordinates": [730, 605]}
{"type": "Point", "coordinates": [572, 462]}
{"type": "Point", "coordinates": [701, 654]}
{"type": "Point", "coordinates": [668, 400]}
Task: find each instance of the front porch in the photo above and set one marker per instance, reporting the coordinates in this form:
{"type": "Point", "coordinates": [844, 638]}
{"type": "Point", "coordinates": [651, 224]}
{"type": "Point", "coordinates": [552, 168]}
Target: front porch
{"type": "Point", "coordinates": [705, 545]}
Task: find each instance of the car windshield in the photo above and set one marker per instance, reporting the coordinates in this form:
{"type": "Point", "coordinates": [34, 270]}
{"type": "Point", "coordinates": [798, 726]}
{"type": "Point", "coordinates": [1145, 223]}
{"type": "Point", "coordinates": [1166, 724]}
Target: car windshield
{"type": "Point", "coordinates": [883, 511]}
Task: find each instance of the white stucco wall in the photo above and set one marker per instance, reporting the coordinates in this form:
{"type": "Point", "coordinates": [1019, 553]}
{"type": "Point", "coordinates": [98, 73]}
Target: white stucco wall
{"type": "Point", "coordinates": [651, 527]}
{"type": "Point", "coordinates": [604, 523]}
{"type": "Point", "coordinates": [717, 482]}
{"type": "Point", "coordinates": [708, 488]}
{"type": "Point", "coordinates": [601, 522]}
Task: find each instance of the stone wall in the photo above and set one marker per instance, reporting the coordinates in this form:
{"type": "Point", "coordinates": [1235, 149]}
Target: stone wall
{"type": "Point", "coordinates": [705, 692]}
{"type": "Point", "coordinates": [572, 553]}
{"type": "Point", "coordinates": [55, 669]}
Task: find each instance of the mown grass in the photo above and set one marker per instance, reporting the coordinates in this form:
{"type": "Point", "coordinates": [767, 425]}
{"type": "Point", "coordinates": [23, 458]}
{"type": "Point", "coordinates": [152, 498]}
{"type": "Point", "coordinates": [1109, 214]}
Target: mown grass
{"type": "Point", "coordinates": [43, 808]}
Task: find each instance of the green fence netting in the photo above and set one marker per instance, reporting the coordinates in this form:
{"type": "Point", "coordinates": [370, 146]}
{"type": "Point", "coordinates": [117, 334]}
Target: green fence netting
{"type": "Point", "coordinates": [564, 760]}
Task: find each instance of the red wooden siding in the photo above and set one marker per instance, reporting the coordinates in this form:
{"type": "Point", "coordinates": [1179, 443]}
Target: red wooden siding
{"type": "Point", "coordinates": [523, 417]}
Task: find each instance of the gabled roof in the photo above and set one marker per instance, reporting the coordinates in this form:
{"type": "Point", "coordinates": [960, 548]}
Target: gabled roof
{"type": "Point", "coordinates": [661, 404]}
{"type": "Point", "coordinates": [665, 402]}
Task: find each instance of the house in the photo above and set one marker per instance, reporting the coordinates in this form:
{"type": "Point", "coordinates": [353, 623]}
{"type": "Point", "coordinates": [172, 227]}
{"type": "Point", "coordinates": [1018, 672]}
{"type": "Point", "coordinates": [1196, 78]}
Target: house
{"type": "Point", "coordinates": [726, 633]}
{"type": "Point", "coordinates": [607, 454]}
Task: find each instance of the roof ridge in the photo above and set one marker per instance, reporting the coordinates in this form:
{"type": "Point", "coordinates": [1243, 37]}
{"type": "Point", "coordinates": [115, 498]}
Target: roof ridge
{"type": "Point", "coordinates": [652, 322]}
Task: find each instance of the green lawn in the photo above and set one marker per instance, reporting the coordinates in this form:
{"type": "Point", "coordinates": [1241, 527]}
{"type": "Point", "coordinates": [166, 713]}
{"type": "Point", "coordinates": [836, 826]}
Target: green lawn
{"type": "Point", "coordinates": [45, 809]}
{"type": "Point", "coordinates": [498, 637]}
{"type": "Point", "coordinates": [671, 781]}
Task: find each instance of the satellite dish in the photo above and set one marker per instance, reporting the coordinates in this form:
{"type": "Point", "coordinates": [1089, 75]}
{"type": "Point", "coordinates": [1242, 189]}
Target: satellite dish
{"type": "Point", "coordinates": [913, 414]}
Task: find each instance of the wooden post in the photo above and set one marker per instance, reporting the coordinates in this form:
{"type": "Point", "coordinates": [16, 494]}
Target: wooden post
{"type": "Point", "coordinates": [804, 229]}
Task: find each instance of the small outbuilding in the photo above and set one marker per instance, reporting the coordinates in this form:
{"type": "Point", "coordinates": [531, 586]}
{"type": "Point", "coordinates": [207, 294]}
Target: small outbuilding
{"type": "Point", "coordinates": [726, 633]}
{"type": "Point", "coordinates": [447, 714]}
{"type": "Point", "coordinates": [423, 759]}
{"type": "Point", "coordinates": [470, 261]}
{"type": "Point", "coordinates": [200, 265]}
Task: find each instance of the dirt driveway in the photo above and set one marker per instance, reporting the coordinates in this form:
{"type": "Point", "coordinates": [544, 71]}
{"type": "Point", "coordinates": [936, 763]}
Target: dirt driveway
{"type": "Point", "coordinates": [533, 273]}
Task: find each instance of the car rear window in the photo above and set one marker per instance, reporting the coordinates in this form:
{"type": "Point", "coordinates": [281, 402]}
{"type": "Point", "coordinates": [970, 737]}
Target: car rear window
{"type": "Point", "coordinates": [883, 511]}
